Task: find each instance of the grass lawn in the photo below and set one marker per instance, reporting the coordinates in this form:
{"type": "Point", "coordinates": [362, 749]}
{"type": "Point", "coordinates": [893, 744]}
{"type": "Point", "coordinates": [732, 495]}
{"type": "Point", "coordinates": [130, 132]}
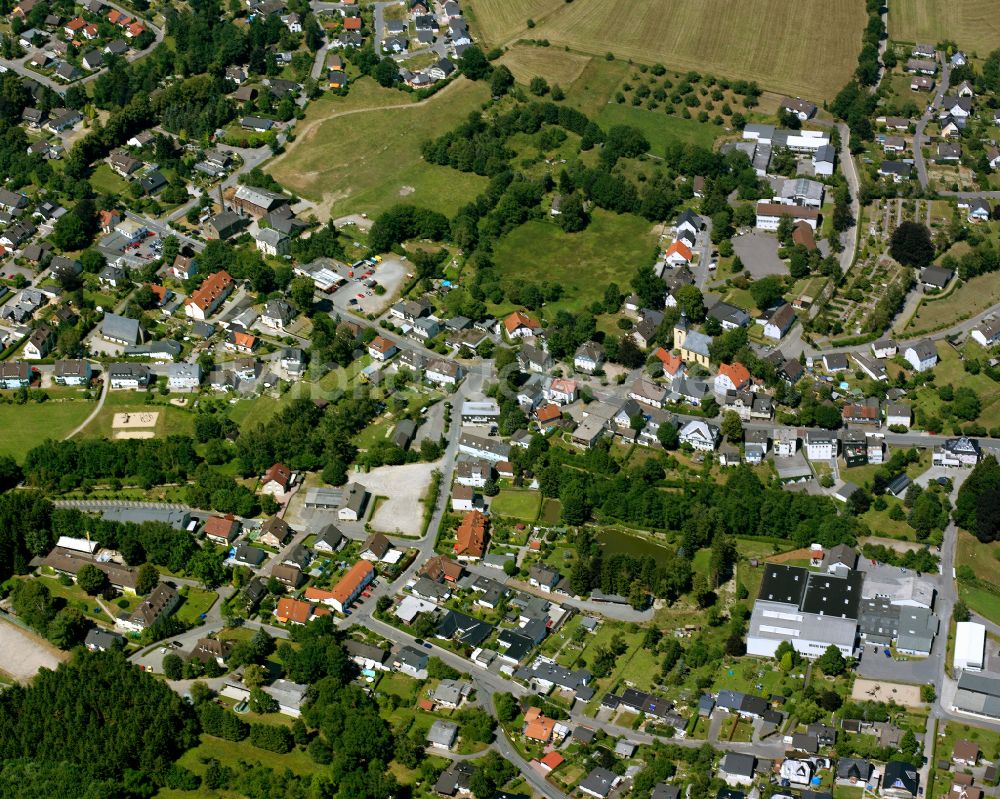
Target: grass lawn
{"type": "Point", "coordinates": [517, 504]}
{"type": "Point", "coordinates": [76, 597]}
{"type": "Point", "coordinates": [596, 85]}
{"type": "Point", "coordinates": [879, 523]}
{"type": "Point", "coordinates": [967, 300]}
{"type": "Point", "coordinates": [950, 370]}
{"type": "Point", "coordinates": [252, 412]}
{"type": "Point", "coordinates": [230, 753]}
{"type": "Point", "coordinates": [983, 602]}
{"type": "Point", "coordinates": [988, 740]}
{"type": "Point", "coordinates": [27, 425]}
{"type": "Point", "coordinates": [985, 563]}
{"type": "Point", "coordinates": [973, 24]}
{"type": "Point", "coordinates": [582, 263]}
{"type": "Point", "coordinates": [760, 41]}
{"type": "Point", "coordinates": [367, 160]}
{"type": "Point", "coordinates": [107, 182]}
{"type": "Point", "coordinates": [196, 602]}
{"type": "Point", "coordinates": [658, 127]}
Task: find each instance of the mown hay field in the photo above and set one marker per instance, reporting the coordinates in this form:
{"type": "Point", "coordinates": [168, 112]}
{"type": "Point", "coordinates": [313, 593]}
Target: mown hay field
{"type": "Point", "coordinates": [809, 49]}
{"type": "Point", "coordinates": [973, 24]}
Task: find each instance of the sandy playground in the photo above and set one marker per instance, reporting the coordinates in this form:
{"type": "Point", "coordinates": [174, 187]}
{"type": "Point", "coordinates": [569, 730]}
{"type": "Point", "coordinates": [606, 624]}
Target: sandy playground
{"type": "Point", "coordinates": [881, 691]}
{"type": "Point", "coordinates": [131, 421]}
{"type": "Point", "coordinates": [135, 425]}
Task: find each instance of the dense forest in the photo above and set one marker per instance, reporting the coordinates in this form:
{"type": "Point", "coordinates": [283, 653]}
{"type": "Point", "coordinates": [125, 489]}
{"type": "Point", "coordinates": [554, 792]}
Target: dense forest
{"type": "Point", "coordinates": [97, 726]}
{"type": "Point", "coordinates": [977, 508]}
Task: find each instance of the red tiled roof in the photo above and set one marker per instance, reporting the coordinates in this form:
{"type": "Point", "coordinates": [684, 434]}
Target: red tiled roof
{"type": "Point", "coordinates": [352, 23]}
{"type": "Point", "coordinates": [471, 535]}
{"type": "Point", "coordinates": [292, 610]}
{"type": "Point", "coordinates": [671, 362]}
{"type": "Point", "coordinates": [215, 286]}
{"type": "Point", "coordinates": [552, 761]}
{"type": "Point", "coordinates": [349, 583]}
{"type": "Point", "coordinates": [680, 248]}
{"type": "Point", "coordinates": [520, 319]}
{"type": "Point", "coordinates": [548, 413]}
{"type": "Point", "coordinates": [736, 372]}
{"type": "Point", "coordinates": [280, 474]}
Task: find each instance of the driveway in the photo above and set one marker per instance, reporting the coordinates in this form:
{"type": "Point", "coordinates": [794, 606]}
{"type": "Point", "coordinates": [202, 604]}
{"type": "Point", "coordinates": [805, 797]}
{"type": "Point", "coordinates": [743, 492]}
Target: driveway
{"type": "Point", "coordinates": [759, 253]}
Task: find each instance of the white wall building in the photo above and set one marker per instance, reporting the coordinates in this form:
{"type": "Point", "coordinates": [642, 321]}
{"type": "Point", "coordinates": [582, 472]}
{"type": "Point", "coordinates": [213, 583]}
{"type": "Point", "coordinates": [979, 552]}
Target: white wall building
{"type": "Point", "coordinates": [970, 646]}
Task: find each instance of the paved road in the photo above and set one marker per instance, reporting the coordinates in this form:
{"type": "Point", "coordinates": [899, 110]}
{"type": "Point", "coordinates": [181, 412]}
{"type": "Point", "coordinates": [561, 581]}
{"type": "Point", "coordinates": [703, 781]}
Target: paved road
{"type": "Point", "coordinates": [93, 414]}
{"type": "Point", "coordinates": [849, 238]}
{"type": "Point", "coordinates": [918, 136]}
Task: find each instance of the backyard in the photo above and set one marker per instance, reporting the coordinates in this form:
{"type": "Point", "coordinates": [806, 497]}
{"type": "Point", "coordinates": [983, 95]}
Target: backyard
{"type": "Point", "coordinates": [517, 504]}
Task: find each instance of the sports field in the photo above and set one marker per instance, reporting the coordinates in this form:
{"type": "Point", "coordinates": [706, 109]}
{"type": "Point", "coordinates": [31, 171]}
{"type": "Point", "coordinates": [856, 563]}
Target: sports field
{"type": "Point", "coordinates": [973, 24]}
{"type": "Point", "coordinates": [366, 159]}
{"type": "Point", "coordinates": [810, 50]}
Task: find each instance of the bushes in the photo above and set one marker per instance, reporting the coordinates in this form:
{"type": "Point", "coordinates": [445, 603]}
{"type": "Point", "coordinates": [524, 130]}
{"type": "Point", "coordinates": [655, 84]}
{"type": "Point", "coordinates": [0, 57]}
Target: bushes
{"type": "Point", "coordinates": [272, 737]}
{"type": "Point", "coordinates": [403, 222]}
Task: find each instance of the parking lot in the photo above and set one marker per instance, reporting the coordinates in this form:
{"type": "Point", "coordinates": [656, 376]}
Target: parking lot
{"type": "Point", "coordinates": [759, 253]}
{"type": "Point", "coordinates": [147, 248]}
{"type": "Point", "coordinates": [358, 292]}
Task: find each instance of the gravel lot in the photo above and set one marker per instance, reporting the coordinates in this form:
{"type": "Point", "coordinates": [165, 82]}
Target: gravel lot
{"type": "Point", "coordinates": [404, 486]}
{"type": "Point", "coordinates": [759, 253]}
{"type": "Point", "coordinates": [22, 655]}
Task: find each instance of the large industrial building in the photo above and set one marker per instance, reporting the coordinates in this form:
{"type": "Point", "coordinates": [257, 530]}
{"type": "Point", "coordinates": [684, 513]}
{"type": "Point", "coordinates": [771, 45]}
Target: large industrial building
{"type": "Point", "coordinates": [811, 610]}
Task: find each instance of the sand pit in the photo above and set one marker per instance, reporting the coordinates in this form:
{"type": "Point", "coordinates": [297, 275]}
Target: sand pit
{"type": "Point", "coordinates": [180, 402]}
{"type": "Point", "coordinates": [23, 654]}
{"type": "Point", "coordinates": [882, 691]}
{"type": "Point", "coordinates": [135, 434]}
{"type": "Point", "coordinates": [132, 421]}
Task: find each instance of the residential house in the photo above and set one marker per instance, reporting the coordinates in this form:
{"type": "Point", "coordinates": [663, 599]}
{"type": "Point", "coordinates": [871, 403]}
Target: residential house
{"type": "Point", "coordinates": [802, 109]}
{"type": "Point", "coordinates": [15, 374]}
{"type": "Point", "coordinates": [272, 242]}
{"type": "Point", "coordinates": [39, 343]}
{"type": "Point", "coordinates": [206, 299]}
{"type": "Point", "coordinates": [350, 586]}
{"type": "Point", "coordinates": [731, 377]}
{"type": "Point", "coordinates": [900, 780]}
{"type": "Point", "coordinates": [73, 373]}
{"type": "Point", "coordinates": [128, 375]}
{"type": "Point", "coordinates": [470, 543]}
{"type": "Point", "coordinates": [738, 768]}
{"type": "Point", "coordinates": [381, 349]}
{"type": "Point", "coordinates": [276, 480]}
{"type": "Point", "coordinates": [987, 333]}
{"type": "Point", "coordinates": [921, 355]}
{"type": "Point", "coordinates": [274, 532]}
{"type": "Point", "coordinates": [183, 376]}
{"type": "Point", "coordinates": [222, 530]}
{"type": "Point", "coordinates": [821, 445]}
{"type": "Point", "coordinates": [159, 604]}
{"type": "Point", "coordinates": [780, 322]}
{"type": "Point", "coordinates": [700, 435]}
{"type": "Point", "coordinates": [519, 325]}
